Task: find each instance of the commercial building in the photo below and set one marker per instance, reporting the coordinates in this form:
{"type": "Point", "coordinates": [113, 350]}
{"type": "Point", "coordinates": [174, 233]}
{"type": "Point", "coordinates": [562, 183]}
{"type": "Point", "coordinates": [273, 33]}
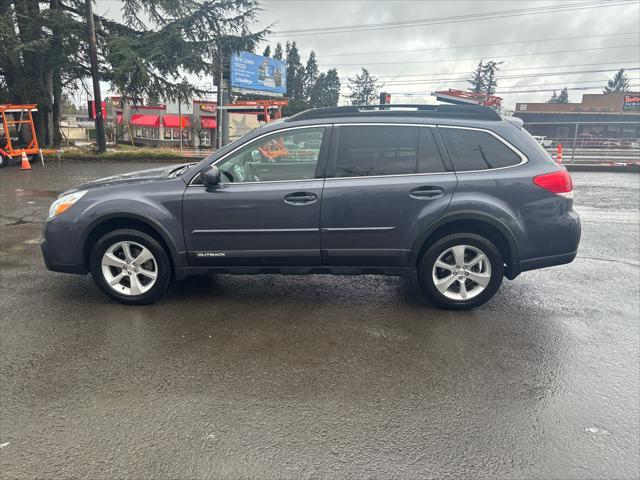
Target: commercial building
{"type": "Point", "coordinates": [598, 120]}
{"type": "Point", "coordinates": [159, 125]}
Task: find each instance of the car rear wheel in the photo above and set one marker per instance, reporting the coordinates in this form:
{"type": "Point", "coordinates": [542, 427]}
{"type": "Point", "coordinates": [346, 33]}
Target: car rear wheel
{"type": "Point", "coordinates": [131, 267]}
{"type": "Point", "coordinates": [461, 271]}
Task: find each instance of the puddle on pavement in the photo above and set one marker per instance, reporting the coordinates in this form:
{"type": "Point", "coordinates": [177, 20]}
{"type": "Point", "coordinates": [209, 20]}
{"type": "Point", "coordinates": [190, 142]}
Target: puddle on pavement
{"type": "Point", "coordinates": [36, 193]}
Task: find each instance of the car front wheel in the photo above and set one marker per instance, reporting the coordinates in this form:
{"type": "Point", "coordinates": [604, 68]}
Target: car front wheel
{"type": "Point", "coordinates": [131, 267]}
{"type": "Point", "coordinates": [461, 271]}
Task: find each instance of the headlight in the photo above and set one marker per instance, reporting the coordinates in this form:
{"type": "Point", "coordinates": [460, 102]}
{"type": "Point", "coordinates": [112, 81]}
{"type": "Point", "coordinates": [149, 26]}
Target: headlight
{"type": "Point", "coordinates": [64, 203]}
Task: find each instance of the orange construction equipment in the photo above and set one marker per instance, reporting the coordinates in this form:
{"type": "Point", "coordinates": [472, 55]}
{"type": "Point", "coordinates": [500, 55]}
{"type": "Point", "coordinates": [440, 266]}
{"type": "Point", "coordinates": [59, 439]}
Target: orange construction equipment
{"type": "Point", "coordinates": [25, 165]}
{"type": "Point", "coordinates": [274, 149]}
{"type": "Point", "coordinates": [15, 139]}
{"type": "Point", "coordinates": [460, 97]}
{"type": "Point", "coordinates": [271, 109]}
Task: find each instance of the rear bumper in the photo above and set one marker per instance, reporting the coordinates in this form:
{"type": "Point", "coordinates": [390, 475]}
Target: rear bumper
{"type": "Point", "coordinates": [556, 244]}
{"type": "Point", "coordinates": [542, 262]}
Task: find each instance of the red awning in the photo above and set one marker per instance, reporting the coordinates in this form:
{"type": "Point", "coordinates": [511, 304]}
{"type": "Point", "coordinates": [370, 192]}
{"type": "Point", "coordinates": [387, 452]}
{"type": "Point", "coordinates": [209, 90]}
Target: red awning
{"type": "Point", "coordinates": [172, 121]}
{"type": "Point", "coordinates": [208, 122]}
{"type": "Point", "coordinates": [141, 120]}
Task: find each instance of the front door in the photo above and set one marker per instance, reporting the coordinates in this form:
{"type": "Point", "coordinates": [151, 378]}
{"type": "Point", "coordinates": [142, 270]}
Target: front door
{"type": "Point", "coordinates": [266, 210]}
{"type": "Point", "coordinates": [385, 184]}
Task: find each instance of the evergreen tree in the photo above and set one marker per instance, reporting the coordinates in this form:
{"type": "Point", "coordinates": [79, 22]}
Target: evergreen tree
{"type": "Point", "coordinates": [364, 89]}
{"type": "Point", "coordinates": [619, 83]}
{"type": "Point", "coordinates": [477, 79]}
{"type": "Point", "coordinates": [563, 97]}
{"type": "Point", "coordinates": [326, 90]}
{"type": "Point", "coordinates": [490, 83]}
{"type": "Point", "coordinates": [310, 76]}
{"type": "Point", "coordinates": [153, 100]}
{"type": "Point", "coordinates": [267, 51]}
{"type": "Point", "coordinates": [295, 73]}
{"type": "Point", "coordinates": [43, 48]}
{"type": "Point", "coordinates": [332, 88]}
{"type": "Point", "coordinates": [315, 94]}
{"type": "Point", "coordinates": [277, 53]}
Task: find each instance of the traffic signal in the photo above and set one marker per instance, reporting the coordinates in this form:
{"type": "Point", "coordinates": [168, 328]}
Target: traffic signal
{"type": "Point", "coordinates": [385, 98]}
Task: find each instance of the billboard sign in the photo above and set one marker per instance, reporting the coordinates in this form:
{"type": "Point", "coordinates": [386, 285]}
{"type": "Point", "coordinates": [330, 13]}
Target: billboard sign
{"type": "Point", "coordinates": [252, 73]}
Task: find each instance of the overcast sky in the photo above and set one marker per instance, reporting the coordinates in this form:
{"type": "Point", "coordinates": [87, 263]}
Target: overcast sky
{"type": "Point", "coordinates": [425, 55]}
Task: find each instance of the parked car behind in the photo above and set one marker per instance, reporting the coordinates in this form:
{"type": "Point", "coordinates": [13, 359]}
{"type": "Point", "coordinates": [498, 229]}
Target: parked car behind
{"type": "Point", "coordinates": [456, 195]}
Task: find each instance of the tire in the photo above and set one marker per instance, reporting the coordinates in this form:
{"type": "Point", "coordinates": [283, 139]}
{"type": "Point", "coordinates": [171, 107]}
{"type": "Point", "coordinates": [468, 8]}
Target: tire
{"type": "Point", "coordinates": [451, 293]}
{"type": "Point", "coordinates": [4, 161]}
{"type": "Point", "coordinates": [115, 270]}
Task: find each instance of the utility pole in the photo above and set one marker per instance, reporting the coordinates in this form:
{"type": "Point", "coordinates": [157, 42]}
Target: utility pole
{"type": "Point", "coordinates": [97, 98]}
{"type": "Point", "coordinates": [219, 100]}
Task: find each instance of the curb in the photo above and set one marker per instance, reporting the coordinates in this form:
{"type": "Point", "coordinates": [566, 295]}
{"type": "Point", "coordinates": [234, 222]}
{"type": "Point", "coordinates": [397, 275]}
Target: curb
{"type": "Point", "coordinates": [125, 159]}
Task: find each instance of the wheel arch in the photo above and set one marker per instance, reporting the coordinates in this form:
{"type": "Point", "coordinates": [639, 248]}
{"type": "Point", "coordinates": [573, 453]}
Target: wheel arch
{"type": "Point", "coordinates": [118, 221]}
{"type": "Point", "coordinates": [471, 222]}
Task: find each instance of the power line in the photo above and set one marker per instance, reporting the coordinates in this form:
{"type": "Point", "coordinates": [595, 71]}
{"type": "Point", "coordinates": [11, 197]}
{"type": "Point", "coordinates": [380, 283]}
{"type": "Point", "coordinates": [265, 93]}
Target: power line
{"type": "Point", "coordinates": [452, 19]}
{"type": "Point", "coordinates": [619, 62]}
{"type": "Point", "coordinates": [506, 77]}
{"type": "Point", "coordinates": [551, 90]}
{"type": "Point", "coordinates": [556, 84]}
{"type": "Point", "coordinates": [422, 94]}
{"type": "Point", "coordinates": [479, 45]}
{"type": "Point", "coordinates": [480, 58]}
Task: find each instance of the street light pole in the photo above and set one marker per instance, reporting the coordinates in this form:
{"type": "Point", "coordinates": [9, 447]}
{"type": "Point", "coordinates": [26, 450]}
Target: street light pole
{"type": "Point", "coordinates": [95, 76]}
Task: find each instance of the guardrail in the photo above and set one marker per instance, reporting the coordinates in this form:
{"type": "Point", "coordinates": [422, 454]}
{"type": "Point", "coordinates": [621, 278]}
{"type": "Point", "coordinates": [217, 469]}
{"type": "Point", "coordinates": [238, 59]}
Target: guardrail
{"type": "Point", "coordinates": [194, 152]}
{"type": "Point", "coordinates": [596, 155]}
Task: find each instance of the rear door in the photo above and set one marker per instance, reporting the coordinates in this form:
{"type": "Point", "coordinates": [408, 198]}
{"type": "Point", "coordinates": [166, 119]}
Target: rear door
{"type": "Point", "coordinates": [385, 184]}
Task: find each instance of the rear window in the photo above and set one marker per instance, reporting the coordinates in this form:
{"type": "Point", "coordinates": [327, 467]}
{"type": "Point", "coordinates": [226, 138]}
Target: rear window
{"type": "Point", "coordinates": [366, 150]}
{"type": "Point", "coordinates": [476, 150]}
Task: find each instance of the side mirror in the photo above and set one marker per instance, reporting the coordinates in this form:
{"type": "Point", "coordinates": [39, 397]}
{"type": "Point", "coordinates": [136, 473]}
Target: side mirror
{"type": "Point", "coordinates": [210, 177]}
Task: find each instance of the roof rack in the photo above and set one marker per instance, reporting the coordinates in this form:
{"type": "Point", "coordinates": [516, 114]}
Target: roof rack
{"type": "Point", "coordinates": [477, 112]}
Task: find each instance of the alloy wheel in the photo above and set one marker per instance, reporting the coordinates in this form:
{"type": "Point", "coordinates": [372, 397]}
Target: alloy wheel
{"type": "Point", "coordinates": [461, 272]}
{"type": "Point", "coordinates": [129, 268]}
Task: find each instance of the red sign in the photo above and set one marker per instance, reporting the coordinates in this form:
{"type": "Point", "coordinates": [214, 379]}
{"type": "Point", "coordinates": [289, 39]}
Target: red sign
{"type": "Point", "coordinates": [92, 109]}
{"type": "Point", "coordinates": [631, 102]}
{"type": "Point", "coordinates": [208, 107]}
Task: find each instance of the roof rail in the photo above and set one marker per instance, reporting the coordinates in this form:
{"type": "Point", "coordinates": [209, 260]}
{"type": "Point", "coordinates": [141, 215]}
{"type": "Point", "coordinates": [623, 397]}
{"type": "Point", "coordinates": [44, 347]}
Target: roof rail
{"type": "Point", "coordinates": [477, 112]}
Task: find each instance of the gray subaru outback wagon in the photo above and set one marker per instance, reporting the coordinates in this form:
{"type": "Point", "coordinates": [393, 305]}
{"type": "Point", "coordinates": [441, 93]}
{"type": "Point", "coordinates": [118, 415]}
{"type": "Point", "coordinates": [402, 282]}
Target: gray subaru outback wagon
{"type": "Point", "coordinates": [458, 195]}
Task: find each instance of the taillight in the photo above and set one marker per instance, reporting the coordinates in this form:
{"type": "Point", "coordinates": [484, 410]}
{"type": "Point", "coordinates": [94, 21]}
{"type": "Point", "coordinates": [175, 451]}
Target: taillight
{"type": "Point", "coordinates": [558, 182]}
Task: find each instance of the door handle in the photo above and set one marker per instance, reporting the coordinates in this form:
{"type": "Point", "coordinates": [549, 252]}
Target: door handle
{"type": "Point", "coordinates": [300, 198]}
{"type": "Point", "coordinates": [426, 192]}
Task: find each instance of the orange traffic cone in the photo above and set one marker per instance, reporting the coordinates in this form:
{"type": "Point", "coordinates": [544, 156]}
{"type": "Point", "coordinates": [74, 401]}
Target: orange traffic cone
{"type": "Point", "coordinates": [25, 162]}
{"type": "Point", "coordinates": [559, 156]}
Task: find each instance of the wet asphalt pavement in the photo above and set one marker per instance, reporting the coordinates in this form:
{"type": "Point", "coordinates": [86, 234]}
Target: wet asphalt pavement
{"type": "Point", "coordinates": [320, 376]}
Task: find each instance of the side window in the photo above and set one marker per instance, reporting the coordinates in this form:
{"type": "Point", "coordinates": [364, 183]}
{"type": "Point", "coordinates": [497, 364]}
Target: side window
{"type": "Point", "coordinates": [288, 155]}
{"type": "Point", "coordinates": [366, 150]}
{"type": "Point", "coordinates": [429, 160]}
{"type": "Point", "coordinates": [475, 150]}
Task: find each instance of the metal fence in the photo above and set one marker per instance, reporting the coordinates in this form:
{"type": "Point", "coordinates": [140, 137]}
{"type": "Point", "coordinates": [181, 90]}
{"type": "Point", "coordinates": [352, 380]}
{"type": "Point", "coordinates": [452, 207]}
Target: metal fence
{"type": "Point", "coordinates": [590, 142]}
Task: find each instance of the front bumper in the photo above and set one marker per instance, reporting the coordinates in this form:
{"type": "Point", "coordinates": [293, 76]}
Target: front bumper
{"type": "Point", "coordinates": [54, 263]}
{"type": "Point", "coordinates": [61, 246]}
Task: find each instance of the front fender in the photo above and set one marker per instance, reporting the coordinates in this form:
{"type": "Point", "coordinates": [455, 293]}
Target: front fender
{"type": "Point", "coordinates": [165, 221]}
